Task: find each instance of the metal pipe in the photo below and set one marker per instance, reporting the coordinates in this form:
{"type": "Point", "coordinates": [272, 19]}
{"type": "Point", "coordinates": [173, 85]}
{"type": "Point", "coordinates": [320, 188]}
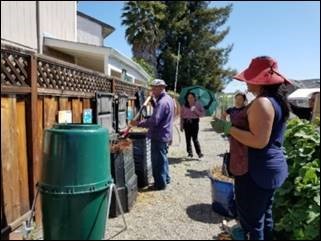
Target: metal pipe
{"type": "Point", "coordinates": [176, 74]}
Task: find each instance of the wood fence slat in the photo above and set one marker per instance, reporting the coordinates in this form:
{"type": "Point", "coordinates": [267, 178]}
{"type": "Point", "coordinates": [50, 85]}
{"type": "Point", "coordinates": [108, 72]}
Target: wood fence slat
{"type": "Point", "coordinates": [37, 162]}
{"type": "Point", "coordinates": [76, 110]}
{"type": "Point", "coordinates": [64, 103]}
{"type": "Point", "coordinates": [50, 111]}
{"type": "Point", "coordinates": [10, 89]}
{"type": "Point", "coordinates": [86, 104]}
{"type": "Point", "coordinates": [22, 156]}
{"type": "Point", "coordinates": [9, 160]}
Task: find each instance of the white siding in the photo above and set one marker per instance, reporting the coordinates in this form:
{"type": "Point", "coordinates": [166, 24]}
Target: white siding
{"type": "Point", "coordinates": [58, 20]}
{"type": "Point", "coordinates": [89, 32]}
{"type": "Point", "coordinates": [18, 22]}
{"type": "Point", "coordinates": [118, 65]}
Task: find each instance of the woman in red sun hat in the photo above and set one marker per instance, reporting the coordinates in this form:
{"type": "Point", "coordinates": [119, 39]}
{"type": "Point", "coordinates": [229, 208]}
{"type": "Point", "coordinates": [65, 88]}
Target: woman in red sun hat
{"type": "Point", "coordinates": [267, 166]}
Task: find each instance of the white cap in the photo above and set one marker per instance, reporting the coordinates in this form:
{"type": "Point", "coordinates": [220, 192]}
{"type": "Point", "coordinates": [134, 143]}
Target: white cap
{"type": "Point", "coordinates": [158, 82]}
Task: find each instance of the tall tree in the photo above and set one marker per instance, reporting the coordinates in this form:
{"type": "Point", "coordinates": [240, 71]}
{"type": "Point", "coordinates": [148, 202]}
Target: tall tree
{"type": "Point", "coordinates": [142, 19]}
{"type": "Point", "coordinates": [198, 30]}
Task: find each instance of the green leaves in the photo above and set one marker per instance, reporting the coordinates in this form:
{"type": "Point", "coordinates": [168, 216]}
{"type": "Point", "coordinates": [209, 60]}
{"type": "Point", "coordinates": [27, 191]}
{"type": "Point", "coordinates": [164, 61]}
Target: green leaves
{"type": "Point", "coordinates": [155, 29]}
{"type": "Point", "coordinates": [143, 20]}
{"type": "Point", "coordinates": [147, 67]}
{"type": "Point", "coordinates": [297, 203]}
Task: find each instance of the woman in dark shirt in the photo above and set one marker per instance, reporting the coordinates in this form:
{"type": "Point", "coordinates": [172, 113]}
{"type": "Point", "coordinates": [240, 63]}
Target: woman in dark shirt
{"type": "Point", "coordinates": [240, 103]}
{"type": "Point", "coordinates": [238, 163]}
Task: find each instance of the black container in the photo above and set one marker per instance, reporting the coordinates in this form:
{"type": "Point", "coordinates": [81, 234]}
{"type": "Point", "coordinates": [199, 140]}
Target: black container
{"type": "Point", "coordinates": [127, 194]}
{"type": "Point", "coordinates": [122, 102]}
{"type": "Point", "coordinates": [121, 120]}
{"type": "Point", "coordinates": [114, 210]}
{"type": "Point", "coordinates": [142, 157]}
{"type": "Point", "coordinates": [104, 110]}
{"type": "Point", "coordinates": [104, 102]}
{"type": "Point", "coordinates": [123, 173]}
{"type": "Point", "coordinates": [106, 121]}
{"type": "Point", "coordinates": [122, 166]}
{"type": "Point", "coordinates": [132, 192]}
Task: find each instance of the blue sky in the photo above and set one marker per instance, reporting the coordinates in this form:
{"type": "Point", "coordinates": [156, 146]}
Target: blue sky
{"type": "Point", "coordinates": [287, 31]}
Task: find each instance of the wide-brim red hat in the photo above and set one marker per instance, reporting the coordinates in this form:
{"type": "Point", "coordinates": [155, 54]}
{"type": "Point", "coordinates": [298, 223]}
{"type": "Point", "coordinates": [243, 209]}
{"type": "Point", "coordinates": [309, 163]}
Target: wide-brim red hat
{"type": "Point", "coordinates": [262, 71]}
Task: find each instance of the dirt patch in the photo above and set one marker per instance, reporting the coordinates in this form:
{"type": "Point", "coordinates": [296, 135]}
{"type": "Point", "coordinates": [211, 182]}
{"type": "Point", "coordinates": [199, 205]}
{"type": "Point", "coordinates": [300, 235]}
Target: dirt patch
{"type": "Point", "coordinates": [216, 173]}
{"type": "Point", "coordinates": [121, 145]}
{"type": "Point", "coordinates": [145, 197]}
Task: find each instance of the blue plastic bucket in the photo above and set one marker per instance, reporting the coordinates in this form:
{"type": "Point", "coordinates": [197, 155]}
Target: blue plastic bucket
{"type": "Point", "coordinates": [223, 201]}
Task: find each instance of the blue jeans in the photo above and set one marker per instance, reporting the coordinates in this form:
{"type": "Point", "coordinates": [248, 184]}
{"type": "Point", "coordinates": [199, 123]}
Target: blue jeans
{"type": "Point", "coordinates": [254, 206]}
{"type": "Point", "coordinates": [160, 164]}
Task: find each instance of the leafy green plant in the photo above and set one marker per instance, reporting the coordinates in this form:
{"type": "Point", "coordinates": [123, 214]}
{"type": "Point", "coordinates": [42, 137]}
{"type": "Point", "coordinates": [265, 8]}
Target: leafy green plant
{"type": "Point", "coordinates": [297, 202]}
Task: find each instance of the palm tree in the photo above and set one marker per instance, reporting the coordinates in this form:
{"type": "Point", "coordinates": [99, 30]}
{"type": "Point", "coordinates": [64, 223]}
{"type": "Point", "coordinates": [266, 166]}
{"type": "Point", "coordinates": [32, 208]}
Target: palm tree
{"type": "Point", "coordinates": [142, 19]}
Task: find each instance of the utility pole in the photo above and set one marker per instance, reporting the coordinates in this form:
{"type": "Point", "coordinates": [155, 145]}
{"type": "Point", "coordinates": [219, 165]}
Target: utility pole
{"type": "Point", "coordinates": [176, 74]}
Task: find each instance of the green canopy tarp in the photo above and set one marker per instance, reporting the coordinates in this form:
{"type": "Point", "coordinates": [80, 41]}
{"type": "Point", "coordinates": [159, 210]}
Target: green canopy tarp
{"type": "Point", "coordinates": [204, 96]}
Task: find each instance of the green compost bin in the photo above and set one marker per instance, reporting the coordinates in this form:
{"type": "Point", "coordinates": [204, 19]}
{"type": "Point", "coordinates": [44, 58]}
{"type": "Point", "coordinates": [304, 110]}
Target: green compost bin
{"type": "Point", "coordinates": [74, 182]}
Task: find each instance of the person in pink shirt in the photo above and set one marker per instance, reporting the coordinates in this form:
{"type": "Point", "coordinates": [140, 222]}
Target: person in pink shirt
{"type": "Point", "coordinates": [190, 115]}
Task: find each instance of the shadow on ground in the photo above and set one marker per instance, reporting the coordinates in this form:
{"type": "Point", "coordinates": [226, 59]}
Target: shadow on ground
{"type": "Point", "coordinates": [177, 160]}
{"type": "Point", "coordinates": [196, 174]}
{"type": "Point", "coordinates": [221, 155]}
{"type": "Point", "coordinates": [208, 129]}
{"type": "Point", "coordinates": [146, 189]}
{"type": "Point", "coordinates": [203, 213]}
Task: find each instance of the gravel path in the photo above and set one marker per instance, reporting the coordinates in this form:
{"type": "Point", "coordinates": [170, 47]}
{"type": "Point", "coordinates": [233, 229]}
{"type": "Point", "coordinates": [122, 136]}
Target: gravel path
{"type": "Point", "coordinates": [183, 210]}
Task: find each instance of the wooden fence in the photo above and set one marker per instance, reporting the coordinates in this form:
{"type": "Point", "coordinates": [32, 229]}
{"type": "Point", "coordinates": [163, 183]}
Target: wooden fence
{"type": "Point", "coordinates": [33, 89]}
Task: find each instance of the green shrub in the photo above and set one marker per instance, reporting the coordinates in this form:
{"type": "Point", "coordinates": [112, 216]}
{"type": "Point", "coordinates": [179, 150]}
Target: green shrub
{"type": "Point", "coordinates": [297, 202]}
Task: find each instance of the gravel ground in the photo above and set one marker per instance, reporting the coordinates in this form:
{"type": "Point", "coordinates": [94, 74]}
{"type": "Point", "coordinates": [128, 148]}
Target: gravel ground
{"type": "Point", "coordinates": [183, 210]}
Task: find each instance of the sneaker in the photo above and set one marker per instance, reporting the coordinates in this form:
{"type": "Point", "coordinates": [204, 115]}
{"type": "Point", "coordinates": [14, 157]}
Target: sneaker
{"type": "Point", "coordinates": [190, 156]}
{"type": "Point", "coordinates": [200, 155]}
{"type": "Point", "coordinates": [156, 188]}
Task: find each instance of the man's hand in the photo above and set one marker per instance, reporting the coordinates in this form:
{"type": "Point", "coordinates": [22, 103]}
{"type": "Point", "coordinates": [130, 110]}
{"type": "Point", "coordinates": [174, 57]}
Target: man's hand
{"type": "Point", "coordinates": [221, 126]}
{"type": "Point", "coordinates": [193, 108]}
{"type": "Point", "coordinates": [133, 123]}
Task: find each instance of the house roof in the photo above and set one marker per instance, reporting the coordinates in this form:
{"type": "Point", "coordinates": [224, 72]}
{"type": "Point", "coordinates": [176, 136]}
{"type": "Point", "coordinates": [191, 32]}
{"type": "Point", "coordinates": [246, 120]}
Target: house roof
{"type": "Point", "coordinates": [92, 52]}
{"type": "Point", "coordinates": [128, 61]}
{"type": "Point", "coordinates": [303, 93]}
{"type": "Point", "coordinates": [107, 29]}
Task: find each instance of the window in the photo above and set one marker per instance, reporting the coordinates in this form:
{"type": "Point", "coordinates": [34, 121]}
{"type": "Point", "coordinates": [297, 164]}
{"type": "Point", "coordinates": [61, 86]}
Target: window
{"type": "Point", "coordinates": [123, 74]}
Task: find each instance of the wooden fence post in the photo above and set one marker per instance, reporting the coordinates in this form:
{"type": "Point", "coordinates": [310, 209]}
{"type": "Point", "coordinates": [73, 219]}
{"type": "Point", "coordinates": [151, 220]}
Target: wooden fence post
{"type": "Point", "coordinates": [113, 86]}
{"type": "Point", "coordinates": [32, 142]}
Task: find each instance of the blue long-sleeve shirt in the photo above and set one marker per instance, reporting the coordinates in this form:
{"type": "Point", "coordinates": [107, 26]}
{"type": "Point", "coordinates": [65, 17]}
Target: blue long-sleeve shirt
{"type": "Point", "coordinates": [160, 124]}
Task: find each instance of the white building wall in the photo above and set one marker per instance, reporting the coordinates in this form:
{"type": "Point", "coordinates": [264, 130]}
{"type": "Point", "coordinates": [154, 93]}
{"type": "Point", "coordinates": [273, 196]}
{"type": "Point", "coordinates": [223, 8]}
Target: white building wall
{"type": "Point", "coordinates": [18, 23]}
{"type": "Point", "coordinates": [58, 20]}
{"type": "Point", "coordinates": [89, 32]}
{"type": "Point", "coordinates": [118, 65]}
